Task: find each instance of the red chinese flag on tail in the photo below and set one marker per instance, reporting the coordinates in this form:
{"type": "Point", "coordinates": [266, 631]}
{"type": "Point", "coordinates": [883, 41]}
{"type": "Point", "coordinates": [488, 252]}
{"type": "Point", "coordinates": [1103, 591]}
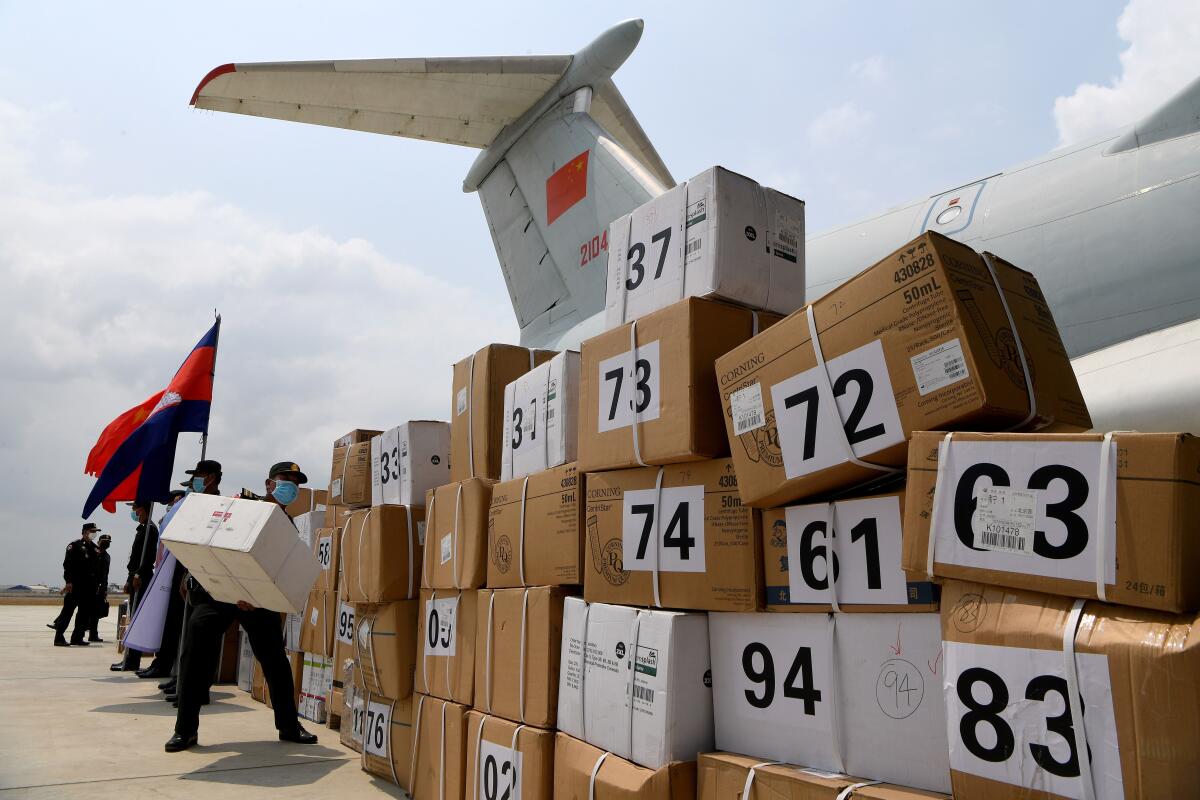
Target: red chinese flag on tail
{"type": "Point", "coordinates": [566, 187]}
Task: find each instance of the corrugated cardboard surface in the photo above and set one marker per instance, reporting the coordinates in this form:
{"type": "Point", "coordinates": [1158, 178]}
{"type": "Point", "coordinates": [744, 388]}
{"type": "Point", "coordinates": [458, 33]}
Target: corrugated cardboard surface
{"type": "Point", "coordinates": [450, 676]}
{"type": "Point", "coordinates": [385, 647]}
{"type": "Point", "coordinates": [534, 752]}
{"type": "Point", "coordinates": [350, 476]}
{"type": "Point", "coordinates": [552, 551]}
{"type": "Point", "coordinates": [308, 500]}
{"type": "Point", "coordinates": [317, 623]}
{"type": "Point", "coordinates": [337, 700]}
{"type": "Point", "coordinates": [381, 554]}
{"type": "Point", "coordinates": [336, 515]}
{"type": "Point", "coordinates": [355, 436]}
{"type": "Point", "coordinates": [927, 294]}
{"type": "Point", "coordinates": [440, 733]}
{"type": "Point", "coordinates": [729, 563]}
{"type": "Point", "coordinates": [409, 460]}
{"type": "Point", "coordinates": [507, 669]}
{"type": "Point", "coordinates": [689, 336]}
{"type": "Point", "coordinates": [327, 548]}
{"type": "Point", "coordinates": [480, 406]}
{"type": "Point", "coordinates": [393, 760]}
{"type": "Point", "coordinates": [456, 535]}
{"type": "Point", "coordinates": [722, 776]}
{"type": "Point", "coordinates": [921, 594]}
{"type": "Point", "coordinates": [1157, 505]}
{"type": "Point", "coordinates": [1149, 691]}
{"type": "Point", "coordinates": [541, 417]}
{"type": "Point", "coordinates": [352, 712]}
{"type": "Point", "coordinates": [574, 761]}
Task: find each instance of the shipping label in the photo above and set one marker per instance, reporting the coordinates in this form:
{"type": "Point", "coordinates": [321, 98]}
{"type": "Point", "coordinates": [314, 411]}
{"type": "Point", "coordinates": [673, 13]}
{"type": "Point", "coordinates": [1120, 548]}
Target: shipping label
{"type": "Point", "coordinates": [746, 409]}
{"type": "Point", "coordinates": [939, 367]}
{"type": "Point", "coordinates": [666, 532]}
{"type": "Point", "coordinates": [377, 729]}
{"type": "Point", "coordinates": [440, 618]}
{"type": "Point", "coordinates": [629, 385]}
{"type": "Point", "coordinates": [499, 772]}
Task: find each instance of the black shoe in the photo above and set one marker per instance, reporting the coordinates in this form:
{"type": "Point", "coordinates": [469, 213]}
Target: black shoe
{"type": "Point", "coordinates": [59, 641]}
{"type": "Point", "coordinates": [95, 639]}
{"type": "Point", "coordinates": [168, 686]}
{"type": "Point", "coordinates": [78, 643]}
{"type": "Point", "coordinates": [179, 742]}
{"type": "Point", "coordinates": [171, 697]}
{"type": "Point", "coordinates": [152, 672]}
{"type": "Point", "coordinates": [297, 735]}
{"type": "Point", "coordinates": [118, 667]}
{"type": "Point", "coordinates": [51, 626]}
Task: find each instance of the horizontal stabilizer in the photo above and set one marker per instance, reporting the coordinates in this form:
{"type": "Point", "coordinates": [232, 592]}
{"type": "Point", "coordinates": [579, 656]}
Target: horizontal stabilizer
{"type": "Point", "coordinates": [1179, 116]}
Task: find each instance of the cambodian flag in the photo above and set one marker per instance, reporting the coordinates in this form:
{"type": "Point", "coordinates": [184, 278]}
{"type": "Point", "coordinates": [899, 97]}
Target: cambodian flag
{"type": "Point", "coordinates": [135, 454]}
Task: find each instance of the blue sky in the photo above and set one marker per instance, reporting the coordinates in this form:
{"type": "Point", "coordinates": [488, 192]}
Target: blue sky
{"type": "Point", "coordinates": [126, 216]}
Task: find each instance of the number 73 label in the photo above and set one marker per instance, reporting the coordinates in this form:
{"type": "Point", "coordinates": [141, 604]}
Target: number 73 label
{"type": "Point", "coordinates": [626, 382]}
{"type": "Point", "coordinates": [678, 520]}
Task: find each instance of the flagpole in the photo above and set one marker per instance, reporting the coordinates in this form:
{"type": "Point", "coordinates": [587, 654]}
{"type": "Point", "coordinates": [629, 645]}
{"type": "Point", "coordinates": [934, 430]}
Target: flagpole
{"type": "Point", "coordinates": [213, 375]}
{"type": "Point", "coordinates": [135, 593]}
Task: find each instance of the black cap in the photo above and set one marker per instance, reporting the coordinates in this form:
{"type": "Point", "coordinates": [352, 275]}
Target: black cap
{"type": "Point", "coordinates": [205, 467]}
{"type": "Point", "coordinates": [104, 537]}
{"type": "Point", "coordinates": [90, 526]}
{"type": "Point", "coordinates": [288, 466]}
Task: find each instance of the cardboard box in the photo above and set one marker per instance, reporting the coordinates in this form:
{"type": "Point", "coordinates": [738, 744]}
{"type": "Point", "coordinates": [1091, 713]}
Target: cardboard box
{"type": "Point", "coordinates": [317, 623]}
{"type": "Point", "coordinates": [307, 501]}
{"type": "Point", "coordinates": [446, 645]}
{"type": "Point", "coordinates": [439, 755]}
{"type": "Point", "coordinates": [308, 523]}
{"type": "Point", "coordinates": [408, 461]}
{"type": "Point", "coordinates": [258, 685]}
{"type": "Point", "coordinates": [671, 378]}
{"type": "Point", "coordinates": [385, 642]}
{"type": "Point", "coordinates": [337, 699]}
{"type": "Point", "coordinates": [296, 662]}
{"type": "Point", "coordinates": [457, 518]}
{"type": "Point", "coordinates": [719, 234]}
{"type": "Point", "coordinates": [356, 436]}
{"type": "Point", "coordinates": [722, 776]}
{"type": "Point", "coordinates": [1006, 678]}
{"type": "Point", "coordinates": [353, 713]}
{"type": "Point", "coordinates": [293, 625]}
{"type": "Point", "coordinates": [866, 542]}
{"type": "Point", "coordinates": [919, 341]}
{"type": "Point", "coordinates": [694, 535]}
{"type": "Point", "coordinates": [517, 653]}
{"type": "Point", "coordinates": [666, 714]}
{"type": "Point", "coordinates": [477, 407]}
{"type": "Point", "coordinates": [381, 553]}
{"type": "Point", "coordinates": [577, 778]}
{"type": "Point", "coordinates": [327, 548]}
{"type": "Point", "coordinates": [541, 418]}
{"type": "Point", "coordinates": [343, 639]}
{"type": "Point", "coordinates": [242, 550]}
{"type": "Point", "coordinates": [350, 477]}
{"type": "Point", "coordinates": [507, 758]}
{"type": "Point", "coordinates": [316, 683]}
{"type": "Point", "coordinates": [336, 515]}
{"type": "Point", "coordinates": [853, 693]}
{"type": "Point", "coordinates": [535, 531]}
{"type": "Point", "coordinates": [1054, 513]}
{"type": "Point", "coordinates": [386, 737]}
{"type": "Point", "coordinates": [245, 667]}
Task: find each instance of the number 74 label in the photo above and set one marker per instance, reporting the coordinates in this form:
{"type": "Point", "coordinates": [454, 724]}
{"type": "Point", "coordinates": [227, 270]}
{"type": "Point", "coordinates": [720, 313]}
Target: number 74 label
{"type": "Point", "coordinates": [677, 519]}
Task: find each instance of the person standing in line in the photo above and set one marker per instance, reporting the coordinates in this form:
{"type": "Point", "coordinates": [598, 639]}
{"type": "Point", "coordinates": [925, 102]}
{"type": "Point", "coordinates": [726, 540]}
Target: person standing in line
{"type": "Point", "coordinates": [103, 561]}
{"type": "Point", "coordinates": [264, 628]}
{"type": "Point", "coordinates": [140, 569]}
{"type": "Point", "coordinates": [79, 577]}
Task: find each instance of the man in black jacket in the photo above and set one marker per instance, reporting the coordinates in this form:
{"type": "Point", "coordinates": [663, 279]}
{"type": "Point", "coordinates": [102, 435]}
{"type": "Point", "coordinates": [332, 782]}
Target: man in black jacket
{"type": "Point", "coordinates": [140, 569]}
{"type": "Point", "coordinates": [79, 577]}
{"type": "Point", "coordinates": [103, 561]}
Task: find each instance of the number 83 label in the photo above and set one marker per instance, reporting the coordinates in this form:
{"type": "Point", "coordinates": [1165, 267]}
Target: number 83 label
{"type": "Point", "coordinates": [1008, 718]}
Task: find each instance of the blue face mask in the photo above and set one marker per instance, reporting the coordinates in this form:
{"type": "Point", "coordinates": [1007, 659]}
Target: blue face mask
{"type": "Point", "coordinates": [197, 484]}
{"type": "Point", "coordinates": [286, 492]}
{"type": "Point", "coordinates": [133, 515]}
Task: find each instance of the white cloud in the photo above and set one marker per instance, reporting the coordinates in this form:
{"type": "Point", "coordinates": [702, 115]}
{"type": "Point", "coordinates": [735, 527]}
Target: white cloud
{"type": "Point", "coordinates": [839, 124]}
{"type": "Point", "coordinates": [104, 295]}
{"type": "Point", "coordinates": [1163, 56]}
{"type": "Point", "coordinates": [873, 69]}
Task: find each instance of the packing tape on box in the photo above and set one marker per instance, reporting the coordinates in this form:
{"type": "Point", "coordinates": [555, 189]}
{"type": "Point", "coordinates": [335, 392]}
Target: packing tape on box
{"type": "Point", "coordinates": [416, 746]}
{"type": "Point", "coordinates": [1012, 326]}
{"type": "Point", "coordinates": [844, 794]}
{"type": "Point", "coordinates": [1074, 703]}
{"type": "Point", "coordinates": [634, 634]}
{"type": "Point", "coordinates": [830, 578]}
{"type": "Point", "coordinates": [595, 772]}
{"type": "Point", "coordinates": [488, 660]}
{"type": "Point", "coordinates": [750, 777]}
{"type": "Point", "coordinates": [471, 408]}
{"type": "Point", "coordinates": [835, 716]}
{"type": "Point", "coordinates": [521, 532]}
{"type": "Point", "coordinates": [479, 757]}
{"type": "Point", "coordinates": [637, 415]}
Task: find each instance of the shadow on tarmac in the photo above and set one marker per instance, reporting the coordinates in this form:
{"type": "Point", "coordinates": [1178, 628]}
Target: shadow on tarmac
{"type": "Point", "coordinates": [244, 766]}
{"type": "Point", "coordinates": [157, 707]}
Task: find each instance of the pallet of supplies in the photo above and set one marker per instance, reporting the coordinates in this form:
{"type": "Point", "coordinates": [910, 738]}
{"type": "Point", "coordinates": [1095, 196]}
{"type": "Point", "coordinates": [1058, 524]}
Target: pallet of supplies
{"type": "Point", "coordinates": [380, 552]}
{"type": "Point", "coordinates": [385, 641]}
{"type": "Point", "coordinates": [535, 535]}
{"type": "Point", "coordinates": [508, 758]}
{"type": "Point", "coordinates": [585, 772]}
{"type": "Point", "coordinates": [409, 460]}
{"type": "Point", "coordinates": [517, 653]}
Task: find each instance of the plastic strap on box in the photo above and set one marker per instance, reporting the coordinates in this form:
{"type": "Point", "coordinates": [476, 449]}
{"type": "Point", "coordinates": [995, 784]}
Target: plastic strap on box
{"type": "Point", "coordinates": [521, 670]}
{"type": "Point", "coordinates": [416, 746]}
{"type": "Point", "coordinates": [633, 353]}
{"type": "Point", "coordinates": [824, 371]}
{"type": "Point", "coordinates": [844, 794]}
{"type": "Point", "coordinates": [939, 481]}
{"type": "Point", "coordinates": [546, 427]}
{"type": "Point", "coordinates": [362, 542]}
{"type": "Point", "coordinates": [1075, 703]}
{"type": "Point", "coordinates": [521, 533]}
{"type": "Point", "coordinates": [513, 758]}
{"type": "Point", "coordinates": [750, 777]}
{"type": "Point", "coordinates": [479, 753]}
{"type": "Point", "coordinates": [753, 323]}
{"type": "Point", "coordinates": [487, 671]}
{"type": "Point", "coordinates": [587, 613]}
{"type": "Point", "coordinates": [1012, 325]}
{"type": "Point", "coordinates": [454, 554]}
{"type": "Point", "coordinates": [634, 632]}
{"type": "Point", "coordinates": [391, 760]}
{"type": "Point", "coordinates": [409, 529]}
{"type": "Point", "coordinates": [426, 556]}
{"type": "Point", "coordinates": [362, 756]}
{"type": "Point", "coordinates": [1105, 489]}
{"type": "Point", "coordinates": [457, 608]}
{"type": "Point", "coordinates": [657, 543]}
{"type": "Point", "coordinates": [595, 772]}
{"type": "Point", "coordinates": [365, 628]}
{"type": "Point", "coordinates": [424, 654]}
{"type": "Point", "coordinates": [831, 557]}
{"type": "Point", "coordinates": [442, 756]}
{"type": "Point", "coordinates": [835, 717]}
{"type": "Point", "coordinates": [470, 415]}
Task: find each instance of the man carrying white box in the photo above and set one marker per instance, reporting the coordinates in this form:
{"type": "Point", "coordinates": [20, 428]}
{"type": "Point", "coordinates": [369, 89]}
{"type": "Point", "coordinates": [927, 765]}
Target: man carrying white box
{"type": "Point", "coordinates": [207, 625]}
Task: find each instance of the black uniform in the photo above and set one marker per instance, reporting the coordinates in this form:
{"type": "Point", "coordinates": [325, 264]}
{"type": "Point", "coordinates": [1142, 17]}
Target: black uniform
{"type": "Point", "coordinates": [205, 627]}
{"type": "Point", "coordinates": [79, 570]}
{"type": "Point", "coordinates": [103, 562]}
{"type": "Point", "coordinates": [141, 564]}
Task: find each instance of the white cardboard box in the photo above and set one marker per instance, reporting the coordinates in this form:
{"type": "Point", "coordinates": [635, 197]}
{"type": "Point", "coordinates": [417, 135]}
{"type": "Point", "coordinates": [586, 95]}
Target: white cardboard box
{"type": "Point", "coordinates": [245, 668]}
{"type": "Point", "coordinates": [243, 550]}
{"type": "Point", "coordinates": [292, 625]}
{"type": "Point", "coordinates": [718, 234]}
{"type": "Point", "coordinates": [853, 693]}
{"type": "Point", "coordinates": [669, 691]}
{"type": "Point", "coordinates": [541, 412]}
{"type": "Point", "coordinates": [308, 523]}
{"type": "Point", "coordinates": [408, 460]}
{"type": "Point", "coordinates": [316, 684]}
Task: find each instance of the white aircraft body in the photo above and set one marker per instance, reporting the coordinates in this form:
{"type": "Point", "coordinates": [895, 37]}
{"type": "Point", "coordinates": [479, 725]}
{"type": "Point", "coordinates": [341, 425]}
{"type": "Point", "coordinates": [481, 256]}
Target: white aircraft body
{"type": "Point", "coordinates": [1111, 228]}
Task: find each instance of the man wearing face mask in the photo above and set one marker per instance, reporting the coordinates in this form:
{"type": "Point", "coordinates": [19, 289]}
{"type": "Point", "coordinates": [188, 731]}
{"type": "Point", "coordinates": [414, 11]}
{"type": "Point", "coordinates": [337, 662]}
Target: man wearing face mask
{"type": "Point", "coordinates": [140, 569]}
{"type": "Point", "coordinates": [103, 561]}
{"type": "Point", "coordinates": [79, 577]}
{"type": "Point", "coordinates": [263, 627]}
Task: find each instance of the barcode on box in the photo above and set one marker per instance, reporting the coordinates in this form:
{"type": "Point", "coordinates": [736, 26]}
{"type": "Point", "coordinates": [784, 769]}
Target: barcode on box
{"type": "Point", "coordinates": [693, 246]}
{"type": "Point", "coordinates": [746, 409]}
{"type": "Point", "coordinates": [1002, 541]}
{"type": "Point", "coordinates": [939, 367]}
{"type": "Point", "coordinates": [643, 693]}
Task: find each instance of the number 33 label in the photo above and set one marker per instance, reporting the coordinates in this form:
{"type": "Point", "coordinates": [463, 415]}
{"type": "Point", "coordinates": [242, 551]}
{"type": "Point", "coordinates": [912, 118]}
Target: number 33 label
{"type": "Point", "coordinates": [818, 414]}
{"type": "Point", "coordinates": [1008, 718]}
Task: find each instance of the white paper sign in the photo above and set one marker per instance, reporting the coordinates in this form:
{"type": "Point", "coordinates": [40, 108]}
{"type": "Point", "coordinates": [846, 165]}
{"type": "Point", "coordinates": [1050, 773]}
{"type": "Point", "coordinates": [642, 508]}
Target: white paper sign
{"type": "Point", "coordinates": [447, 547]}
{"type": "Point", "coordinates": [623, 382]}
{"type": "Point", "coordinates": [345, 624]}
{"type": "Point", "coordinates": [499, 772]}
{"type": "Point", "coordinates": [325, 552]}
{"type": "Point", "coordinates": [358, 718]}
{"type": "Point", "coordinates": [816, 416]}
{"type": "Point", "coordinates": [1064, 480]}
{"type": "Point", "coordinates": [1008, 719]}
{"type": "Point", "coordinates": [679, 519]}
{"type": "Point", "coordinates": [1004, 519]}
{"type": "Point", "coordinates": [440, 616]}
{"type": "Point", "coordinates": [377, 729]}
{"type": "Point", "coordinates": [865, 550]}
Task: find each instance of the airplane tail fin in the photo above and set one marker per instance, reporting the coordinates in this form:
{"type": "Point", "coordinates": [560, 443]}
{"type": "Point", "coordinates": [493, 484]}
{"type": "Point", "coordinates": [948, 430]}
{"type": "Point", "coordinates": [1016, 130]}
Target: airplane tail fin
{"type": "Point", "coordinates": [562, 154]}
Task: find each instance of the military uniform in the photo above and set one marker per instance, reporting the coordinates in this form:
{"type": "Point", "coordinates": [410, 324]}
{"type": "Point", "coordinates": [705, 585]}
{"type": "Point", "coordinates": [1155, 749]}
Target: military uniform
{"type": "Point", "coordinates": [103, 562]}
{"type": "Point", "coordinates": [79, 570]}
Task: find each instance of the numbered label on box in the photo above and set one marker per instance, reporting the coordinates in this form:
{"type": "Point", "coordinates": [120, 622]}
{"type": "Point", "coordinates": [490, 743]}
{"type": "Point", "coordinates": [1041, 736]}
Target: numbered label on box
{"type": "Point", "coordinates": [1008, 718]}
{"type": "Point", "coordinates": [440, 618]}
{"type": "Point", "coordinates": [1029, 507]}
{"type": "Point", "coordinates": [377, 729]}
{"type": "Point", "coordinates": [861, 553]}
{"type": "Point", "coordinates": [817, 413]}
{"type": "Point", "coordinates": [345, 623]}
{"type": "Point", "coordinates": [499, 772]}
{"type": "Point", "coordinates": [667, 531]}
{"type": "Point", "coordinates": [628, 385]}
{"type": "Point", "coordinates": [325, 552]}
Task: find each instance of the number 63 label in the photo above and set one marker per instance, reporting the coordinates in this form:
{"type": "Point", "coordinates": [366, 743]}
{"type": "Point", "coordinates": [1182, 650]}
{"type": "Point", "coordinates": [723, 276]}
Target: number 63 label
{"type": "Point", "coordinates": [1008, 718]}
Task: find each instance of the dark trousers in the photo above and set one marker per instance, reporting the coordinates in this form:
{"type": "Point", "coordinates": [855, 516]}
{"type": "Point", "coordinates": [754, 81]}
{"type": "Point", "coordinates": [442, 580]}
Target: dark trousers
{"type": "Point", "coordinates": [82, 603]}
{"type": "Point", "coordinates": [202, 648]}
{"type": "Point", "coordinates": [101, 602]}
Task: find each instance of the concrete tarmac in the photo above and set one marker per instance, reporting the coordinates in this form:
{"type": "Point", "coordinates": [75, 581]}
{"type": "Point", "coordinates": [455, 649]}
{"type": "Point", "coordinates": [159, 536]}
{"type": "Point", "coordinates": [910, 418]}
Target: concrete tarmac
{"type": "Point", "coordinates": [70, 728]}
